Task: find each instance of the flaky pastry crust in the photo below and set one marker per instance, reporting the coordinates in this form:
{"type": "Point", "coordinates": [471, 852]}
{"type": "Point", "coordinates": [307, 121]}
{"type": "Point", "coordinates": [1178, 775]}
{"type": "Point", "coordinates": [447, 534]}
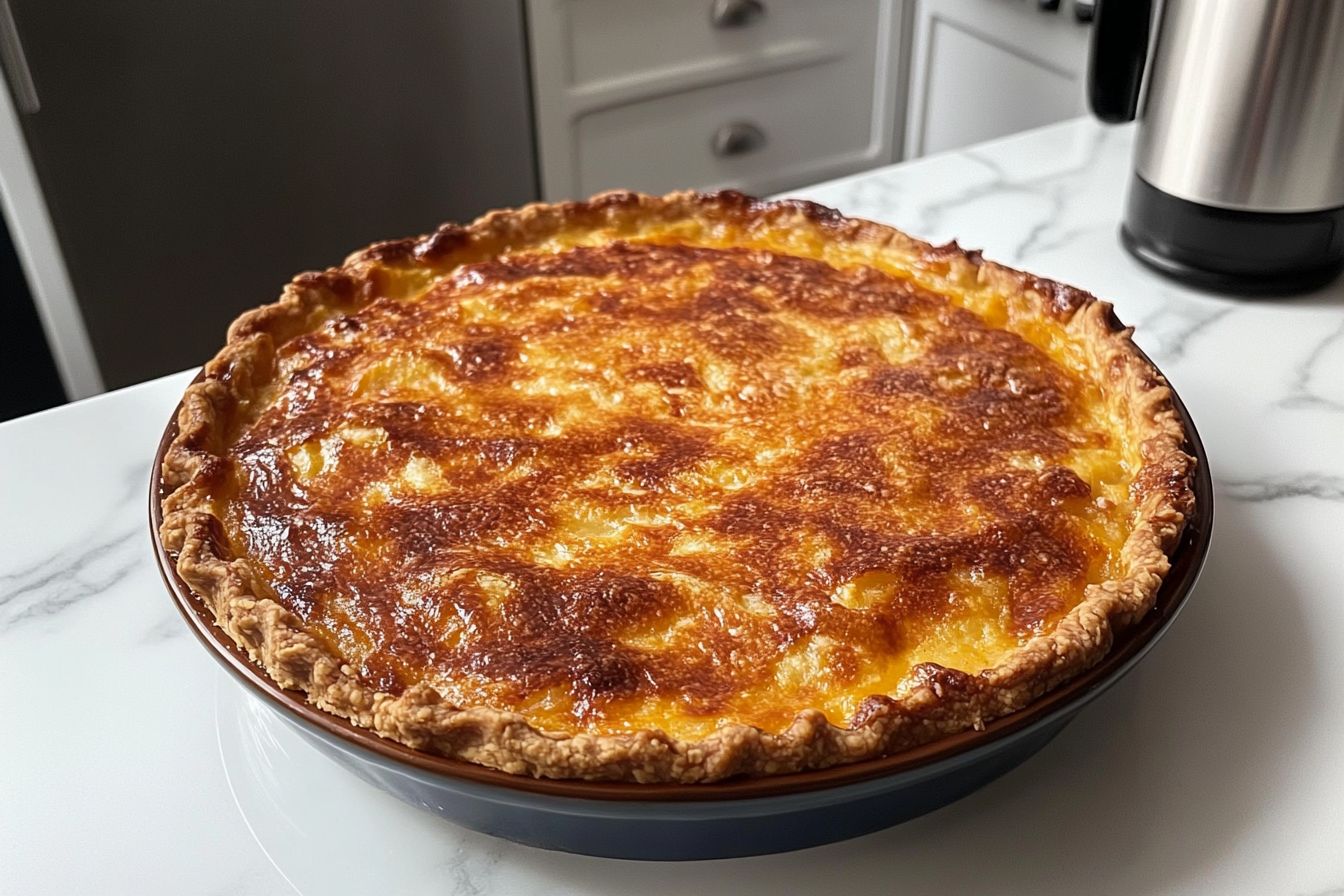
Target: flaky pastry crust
{"type": "Point", "coordinates": [937, 703]}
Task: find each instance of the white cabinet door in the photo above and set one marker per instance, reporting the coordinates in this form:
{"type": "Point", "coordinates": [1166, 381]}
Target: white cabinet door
{"type": "Point", "coordinates": [660, 94]}
{"type": "Point", "coordinates": [986, 68]}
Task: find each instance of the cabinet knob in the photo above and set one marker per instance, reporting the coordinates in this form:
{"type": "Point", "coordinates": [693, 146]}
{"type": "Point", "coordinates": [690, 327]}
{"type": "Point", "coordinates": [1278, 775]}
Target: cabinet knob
{"type": "Point", "coordinates": [735, 13]}
{"type": "Point", "coordinates": [737, 138]}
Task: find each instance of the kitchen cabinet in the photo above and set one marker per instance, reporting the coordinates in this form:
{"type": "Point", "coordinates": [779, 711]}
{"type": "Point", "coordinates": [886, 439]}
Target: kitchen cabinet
{"type": "Point", "coordinates": [986, 68]}
{"type": "Point", "coordinates": [758, 95]}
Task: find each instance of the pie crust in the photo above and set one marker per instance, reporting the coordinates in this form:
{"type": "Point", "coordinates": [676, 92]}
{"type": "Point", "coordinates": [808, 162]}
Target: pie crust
{"type": "Point", "coordinates": [929, 701]}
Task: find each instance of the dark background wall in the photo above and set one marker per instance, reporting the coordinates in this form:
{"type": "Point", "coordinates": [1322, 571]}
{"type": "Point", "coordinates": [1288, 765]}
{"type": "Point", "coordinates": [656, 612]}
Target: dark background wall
{"type": "Point", "coordinates": [28, 380]}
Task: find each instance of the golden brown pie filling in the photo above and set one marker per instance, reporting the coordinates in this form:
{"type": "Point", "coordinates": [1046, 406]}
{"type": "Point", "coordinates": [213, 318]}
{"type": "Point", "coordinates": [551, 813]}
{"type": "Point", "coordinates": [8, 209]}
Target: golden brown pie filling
{"type": "Point", "coordinates": [658, 483]}
{"type": "Point", "coordinates": [673, 489]}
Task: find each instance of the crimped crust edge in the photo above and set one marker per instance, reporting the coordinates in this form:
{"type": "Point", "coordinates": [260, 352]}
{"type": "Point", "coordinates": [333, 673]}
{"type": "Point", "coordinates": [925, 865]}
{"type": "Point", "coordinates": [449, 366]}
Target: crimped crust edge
{"type": "Point", "coordinates": [940, 702]}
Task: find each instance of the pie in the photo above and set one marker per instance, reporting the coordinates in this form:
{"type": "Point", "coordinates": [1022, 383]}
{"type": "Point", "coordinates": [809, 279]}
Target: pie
{"type": "Point", "coordinates": [674, 489]}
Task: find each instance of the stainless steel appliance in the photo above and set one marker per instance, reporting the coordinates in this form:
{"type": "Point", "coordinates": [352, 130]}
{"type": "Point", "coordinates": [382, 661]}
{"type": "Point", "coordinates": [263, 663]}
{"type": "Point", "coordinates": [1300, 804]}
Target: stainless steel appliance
{"type": "Point", "coordinates": [193, 156]}
{"type": "Point", "coordinates": [1239, 167]}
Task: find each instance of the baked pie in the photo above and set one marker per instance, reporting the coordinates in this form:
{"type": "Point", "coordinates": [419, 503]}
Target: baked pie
{"type": "Point", "coordinates": [674, 489]}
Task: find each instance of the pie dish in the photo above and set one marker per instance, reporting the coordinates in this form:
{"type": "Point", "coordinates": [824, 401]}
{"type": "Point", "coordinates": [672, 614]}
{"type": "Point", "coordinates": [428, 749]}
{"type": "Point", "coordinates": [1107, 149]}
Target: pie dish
{"type": "Point", "coordinates": [738, 817]}
{"type": "Point", "coordinates": [674, 489]}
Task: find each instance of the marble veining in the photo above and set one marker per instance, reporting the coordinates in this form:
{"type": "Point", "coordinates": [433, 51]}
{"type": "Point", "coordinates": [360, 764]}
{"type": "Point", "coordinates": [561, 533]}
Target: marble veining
{"type": "Point", "coordinates": [1309, 380]}
{"type": "Point", "coordinates": [1170, 330]}
{"type": "Point", "coordinates": [1319, 486]}
{"type": "Point", "coordinates": [65, 578]}
{"type": "Point", "coordinates": [131, 764]}
{"type": "Point", "coordinates": [472, 870]}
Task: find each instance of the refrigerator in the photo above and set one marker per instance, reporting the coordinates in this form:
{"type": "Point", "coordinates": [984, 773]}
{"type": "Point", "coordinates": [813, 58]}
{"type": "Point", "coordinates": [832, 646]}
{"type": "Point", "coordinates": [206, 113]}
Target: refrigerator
{"type": "Point", "coordinates": [192, 157]}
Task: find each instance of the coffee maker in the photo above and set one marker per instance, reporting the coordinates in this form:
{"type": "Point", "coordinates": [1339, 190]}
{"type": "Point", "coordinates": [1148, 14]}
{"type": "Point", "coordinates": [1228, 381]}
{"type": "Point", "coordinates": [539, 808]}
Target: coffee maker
{"type": "Point", "coordinates": [1238, 181]}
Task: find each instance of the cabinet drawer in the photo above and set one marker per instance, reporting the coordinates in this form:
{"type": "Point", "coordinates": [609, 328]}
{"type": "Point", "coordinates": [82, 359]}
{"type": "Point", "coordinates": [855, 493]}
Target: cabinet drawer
{"type": "Point", "coordinates": [756, 134]}
{"type": "Point", "coordinates": [631, 93]}
{"type": "Point", "coordinates": [602, 43]}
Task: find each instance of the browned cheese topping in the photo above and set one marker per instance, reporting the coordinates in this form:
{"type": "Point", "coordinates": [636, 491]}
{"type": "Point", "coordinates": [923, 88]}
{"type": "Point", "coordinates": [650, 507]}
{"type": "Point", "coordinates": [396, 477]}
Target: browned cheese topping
{"type": "Point", "coordinates": [644, 485]}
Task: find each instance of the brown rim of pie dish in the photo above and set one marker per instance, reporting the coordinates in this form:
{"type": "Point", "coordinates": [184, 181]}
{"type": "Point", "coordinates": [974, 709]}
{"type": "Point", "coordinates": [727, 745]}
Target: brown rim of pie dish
{"type": "Point", "coordinates": [1186, 563]}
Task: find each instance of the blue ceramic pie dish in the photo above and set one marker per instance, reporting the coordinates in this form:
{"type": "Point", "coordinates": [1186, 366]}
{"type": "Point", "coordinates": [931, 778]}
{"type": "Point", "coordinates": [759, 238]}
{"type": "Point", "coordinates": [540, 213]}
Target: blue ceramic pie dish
{"type": "Point", "coordinates": [706, 821]}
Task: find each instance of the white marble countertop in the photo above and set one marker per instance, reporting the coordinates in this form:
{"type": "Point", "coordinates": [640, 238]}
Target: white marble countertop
{"type": "Point", "coordinates": [128, 764]}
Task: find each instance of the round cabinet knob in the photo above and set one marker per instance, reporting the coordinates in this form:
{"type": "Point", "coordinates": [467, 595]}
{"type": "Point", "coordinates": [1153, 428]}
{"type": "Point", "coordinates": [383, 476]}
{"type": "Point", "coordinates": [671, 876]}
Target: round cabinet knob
{"type": "Point", "coordinates": [737, 138]}
{"type": "Point", "coordinates": [735, 13]}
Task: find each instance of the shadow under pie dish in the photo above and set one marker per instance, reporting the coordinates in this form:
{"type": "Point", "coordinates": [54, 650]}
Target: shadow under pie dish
{"type": "Point", "coordinates": [674, 490]}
